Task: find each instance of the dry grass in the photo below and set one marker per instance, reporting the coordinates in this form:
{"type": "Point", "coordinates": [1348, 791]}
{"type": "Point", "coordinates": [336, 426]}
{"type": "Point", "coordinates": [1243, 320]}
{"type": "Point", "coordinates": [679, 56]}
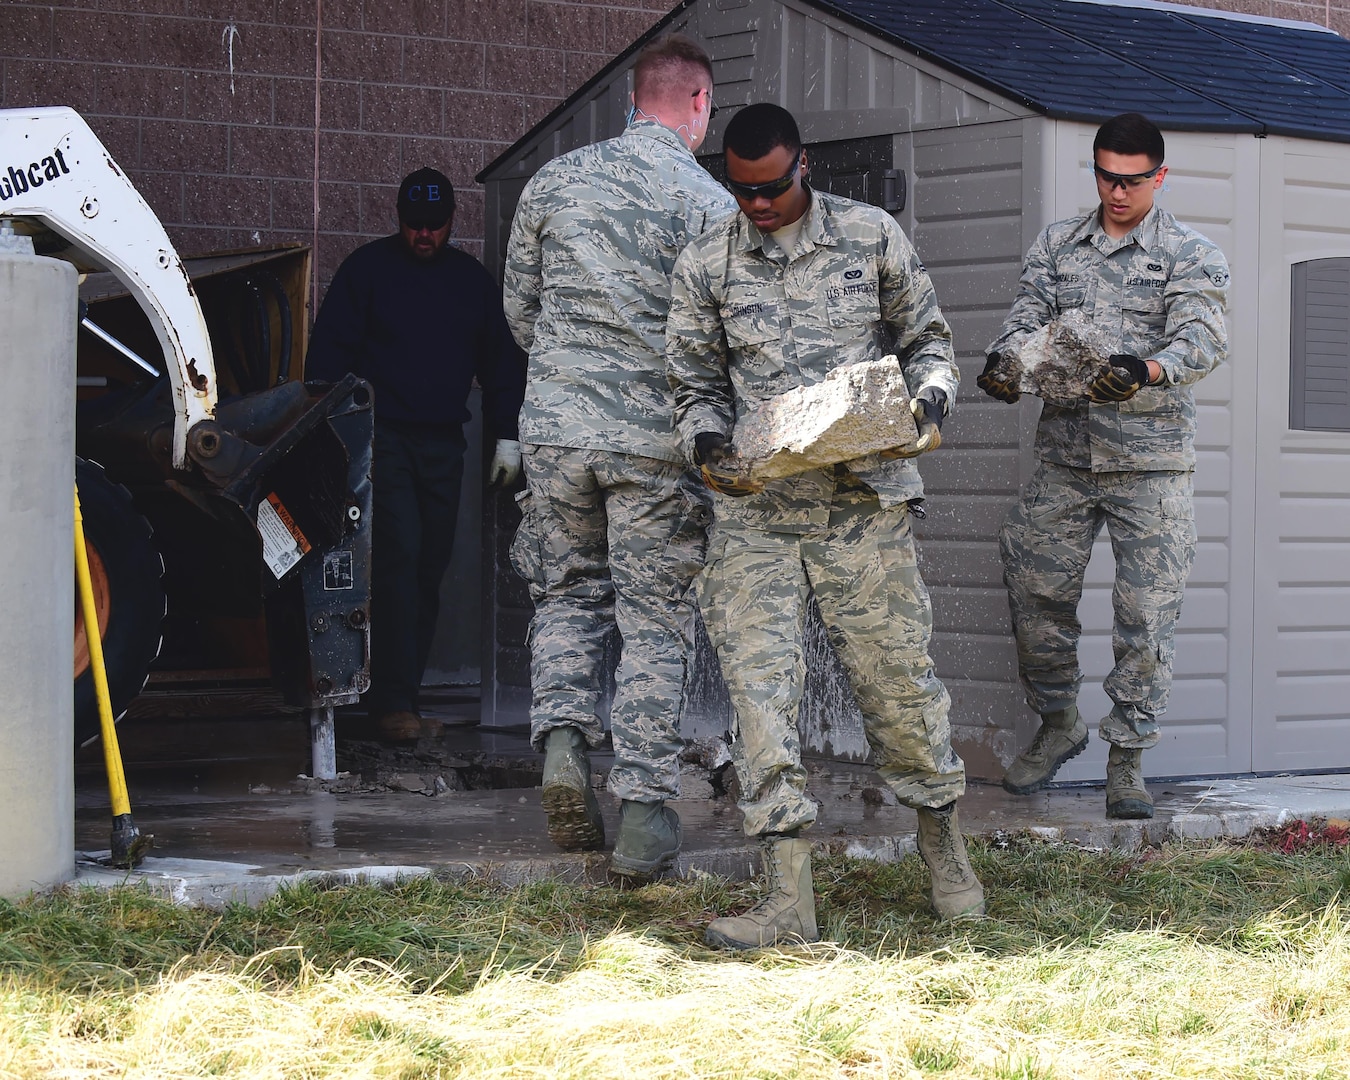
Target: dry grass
{"type": "Point", "coordinates": [1189, 963]}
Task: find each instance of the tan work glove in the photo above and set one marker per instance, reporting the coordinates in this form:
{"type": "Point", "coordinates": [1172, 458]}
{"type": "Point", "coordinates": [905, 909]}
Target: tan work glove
{"type": "Point", "coordinates": [929, 407]}
{"type": "Point", "coordinates": [712, 448]}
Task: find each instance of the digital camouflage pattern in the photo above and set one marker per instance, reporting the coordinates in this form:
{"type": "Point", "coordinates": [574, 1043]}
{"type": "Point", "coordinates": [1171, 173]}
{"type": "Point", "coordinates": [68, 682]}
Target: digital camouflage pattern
{"type": "Point", "coordinates": [747, 323]}
{"type": "Point", "coordinates": [1045, 547]}
{"type": "Point", "coordinates": [1162, 291]}
{"type": "Point", "coordinates": [863, 571]}
{"type": "Point", "coordinates": [612, 538]}
{"type": "Point", "coordinates": [587, 287]}
{"type": "Point", "coordinates": [614, 532]}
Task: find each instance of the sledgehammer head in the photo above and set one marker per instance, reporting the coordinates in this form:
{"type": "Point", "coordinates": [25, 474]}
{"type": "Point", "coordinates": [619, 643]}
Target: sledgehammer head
{"type": "Point", "coordinates": [129, 844]}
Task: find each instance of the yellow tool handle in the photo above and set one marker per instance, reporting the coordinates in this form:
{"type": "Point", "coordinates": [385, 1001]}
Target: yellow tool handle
{"type": "Point", "coordinates": [112, 756]}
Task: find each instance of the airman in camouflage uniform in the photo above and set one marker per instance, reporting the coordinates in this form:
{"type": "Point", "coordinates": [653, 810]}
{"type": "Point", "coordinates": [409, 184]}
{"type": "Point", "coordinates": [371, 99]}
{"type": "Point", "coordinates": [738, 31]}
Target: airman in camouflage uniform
{"type": "Point", "coordinates": [614, 524]}
{"type": "Point", "coordinates": [797, 284]}
{"type": "Point", "coordinates": [1123, 458]}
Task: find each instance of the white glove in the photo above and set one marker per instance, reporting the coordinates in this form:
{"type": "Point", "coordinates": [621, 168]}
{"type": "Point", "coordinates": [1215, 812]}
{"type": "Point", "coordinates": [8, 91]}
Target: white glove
{"type": "Point", "coordinates": [505, 468]}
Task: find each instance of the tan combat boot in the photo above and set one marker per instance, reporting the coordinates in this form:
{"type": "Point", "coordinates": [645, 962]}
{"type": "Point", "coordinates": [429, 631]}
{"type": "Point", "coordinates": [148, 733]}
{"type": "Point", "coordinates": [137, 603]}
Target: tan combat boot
{"type": "Point", "coordinates": [1062, 735]}
{"type": "Point", "coordinates": [574, 821]}
{"type": "Point", "coordinates": [1126, 795]}
{"type": "Point", "coordinates": [956, 892]}
{"type": "Point", "coordinates": [787, 914]}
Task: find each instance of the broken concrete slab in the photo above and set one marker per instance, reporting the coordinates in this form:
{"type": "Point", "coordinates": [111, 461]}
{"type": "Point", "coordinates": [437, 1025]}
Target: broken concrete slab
{"type": "Point", "coordinates": [1058, 362]}
{"type": "Point", "coordinates": [856, 410]}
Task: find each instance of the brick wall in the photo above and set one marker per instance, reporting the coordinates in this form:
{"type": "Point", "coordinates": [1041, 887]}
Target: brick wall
{"type": "Point", "coordinates": [1332, 13]}
{"type": "Point", "coordinates": [209, 105]}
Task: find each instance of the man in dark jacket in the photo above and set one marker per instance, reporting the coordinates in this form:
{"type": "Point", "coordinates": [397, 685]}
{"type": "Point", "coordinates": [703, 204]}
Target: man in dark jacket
{"type": "Point", "coordinates": [418, 319]}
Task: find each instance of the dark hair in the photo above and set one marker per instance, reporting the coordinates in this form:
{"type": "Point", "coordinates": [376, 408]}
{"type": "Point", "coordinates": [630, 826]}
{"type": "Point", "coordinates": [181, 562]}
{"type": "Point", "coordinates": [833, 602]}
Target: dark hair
{"type": "Point", "coordinates": [671, 67]}
{"type": "Point", "coordinates": [755, 130]}
{"type": "Point", "coordinates": [1130, 133]}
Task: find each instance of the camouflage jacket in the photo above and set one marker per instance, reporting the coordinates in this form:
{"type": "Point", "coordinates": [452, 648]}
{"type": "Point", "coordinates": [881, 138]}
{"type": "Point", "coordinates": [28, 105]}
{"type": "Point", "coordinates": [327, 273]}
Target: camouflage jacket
{"type": "Point", "coordinates": [587, 288]}
{"type": "Point", "coordinates": [748, 324]}
{"type": "Point", "coordinates": [1163, 289]}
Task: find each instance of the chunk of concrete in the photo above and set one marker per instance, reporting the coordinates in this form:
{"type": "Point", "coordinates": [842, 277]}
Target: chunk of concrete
{"type": "Point", "coordinates": [854, 411]}
{"type": "Point", "coordinates": [1058, 362]}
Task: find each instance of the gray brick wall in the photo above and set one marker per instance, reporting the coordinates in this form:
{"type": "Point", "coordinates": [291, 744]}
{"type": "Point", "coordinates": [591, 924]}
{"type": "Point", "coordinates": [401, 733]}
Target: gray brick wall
{"type": "Point", "coordinates": [209, 105]}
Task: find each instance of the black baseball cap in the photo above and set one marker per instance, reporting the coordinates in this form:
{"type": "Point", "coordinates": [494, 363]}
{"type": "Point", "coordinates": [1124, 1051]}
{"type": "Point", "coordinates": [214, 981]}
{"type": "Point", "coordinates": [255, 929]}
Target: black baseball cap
{"type": "Point", "coordinates": [426, 199]}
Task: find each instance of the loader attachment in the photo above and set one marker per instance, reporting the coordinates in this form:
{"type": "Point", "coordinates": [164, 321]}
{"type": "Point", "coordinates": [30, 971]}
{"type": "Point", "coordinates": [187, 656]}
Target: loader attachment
{"type": "Point", "coordinates": [266, 542]}
{"type": "Point", "coordinates": [295, 462]}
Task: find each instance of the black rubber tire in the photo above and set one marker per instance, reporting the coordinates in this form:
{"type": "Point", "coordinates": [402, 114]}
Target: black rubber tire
{"type": "Point", "coordinates": [134, 573]}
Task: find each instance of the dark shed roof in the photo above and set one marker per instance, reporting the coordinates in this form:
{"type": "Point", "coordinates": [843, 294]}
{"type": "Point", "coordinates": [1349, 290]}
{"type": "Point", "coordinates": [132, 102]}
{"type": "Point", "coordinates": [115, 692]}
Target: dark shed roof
{"type": "Point", "coordinates": [1188, 69]}
{"type": "Point", "coordinates": [1083, 60]}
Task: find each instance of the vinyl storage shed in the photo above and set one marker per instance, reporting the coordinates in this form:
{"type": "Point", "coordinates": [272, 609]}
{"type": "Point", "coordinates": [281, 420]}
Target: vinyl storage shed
{"type": "Point", "coordinates": [972, 121]}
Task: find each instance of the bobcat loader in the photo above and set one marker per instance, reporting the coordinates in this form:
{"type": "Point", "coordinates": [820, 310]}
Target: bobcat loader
{"type": "Point", "coordinates": [210, 474]}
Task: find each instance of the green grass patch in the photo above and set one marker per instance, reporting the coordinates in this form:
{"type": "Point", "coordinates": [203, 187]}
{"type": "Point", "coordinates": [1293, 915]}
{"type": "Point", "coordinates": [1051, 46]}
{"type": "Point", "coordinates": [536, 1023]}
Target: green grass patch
{"type": "Point", "coordinates": [448, 934]}
{"type": "Point", "coordinates": [1181, 961]}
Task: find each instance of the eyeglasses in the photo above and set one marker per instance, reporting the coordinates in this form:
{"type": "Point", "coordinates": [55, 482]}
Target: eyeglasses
{"type": "Point", "coordinates": [772, 190]}
{"type": "Point", "coordinates": [1125, 181]}
{"type": "Point", "coordinates": [713, 110]}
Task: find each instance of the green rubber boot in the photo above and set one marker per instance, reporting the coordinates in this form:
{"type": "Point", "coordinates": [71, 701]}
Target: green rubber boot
{"type": "Point", "coordinates": [574, 821]}
{"type": "Point", "coordinates": [649, 839]}
{"type": "Point", "coordinates": [1062, 735]}
{"type": "Point", "coordinates": [956, 892]}
{"type": "Point", "coordinates": [1126, 795]}
{"type": "Point", "coordinates": [787, 914]}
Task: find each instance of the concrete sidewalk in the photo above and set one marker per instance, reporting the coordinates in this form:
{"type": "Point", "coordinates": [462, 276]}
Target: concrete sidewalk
{"type": "Point", "coordinates": [214, 846]}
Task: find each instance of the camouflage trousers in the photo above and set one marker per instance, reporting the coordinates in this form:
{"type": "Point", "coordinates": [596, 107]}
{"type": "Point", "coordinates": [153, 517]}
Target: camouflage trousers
{"type": "Point", "coordinates": [1045, 545]}
{"type": "Point", "coordinates": [612, 540]}
{"type": "Point", "coordinates": [863, 570]}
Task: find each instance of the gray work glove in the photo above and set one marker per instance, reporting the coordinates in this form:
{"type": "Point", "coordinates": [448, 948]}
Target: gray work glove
{"type": "Point", "coordinates": [505, 468]}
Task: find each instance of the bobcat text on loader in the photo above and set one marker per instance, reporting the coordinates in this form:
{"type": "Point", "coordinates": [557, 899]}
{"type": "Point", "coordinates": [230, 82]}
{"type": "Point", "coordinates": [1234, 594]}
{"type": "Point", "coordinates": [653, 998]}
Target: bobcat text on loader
{"type": "Point", "coordinates": [227, 504]}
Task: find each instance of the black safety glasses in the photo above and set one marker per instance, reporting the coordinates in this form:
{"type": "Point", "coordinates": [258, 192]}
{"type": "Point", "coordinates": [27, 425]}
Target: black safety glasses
{"type": "Point", "coordinates": [772, 190]}
{"type": "Point", "coordinates": [1125, 180]}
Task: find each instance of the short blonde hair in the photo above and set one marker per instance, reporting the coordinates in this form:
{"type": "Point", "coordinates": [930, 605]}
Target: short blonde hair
{"type": "Point", "coordinates": [670, 68]}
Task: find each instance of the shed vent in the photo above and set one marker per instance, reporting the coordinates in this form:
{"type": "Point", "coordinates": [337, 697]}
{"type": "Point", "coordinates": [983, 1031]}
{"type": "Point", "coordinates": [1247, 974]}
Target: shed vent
{"type": "Point", "coordinates": [1319, 349]}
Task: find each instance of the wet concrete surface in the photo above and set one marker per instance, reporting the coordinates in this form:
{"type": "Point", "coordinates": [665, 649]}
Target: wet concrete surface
{"type": "Point", "coordinates": [237, 824]}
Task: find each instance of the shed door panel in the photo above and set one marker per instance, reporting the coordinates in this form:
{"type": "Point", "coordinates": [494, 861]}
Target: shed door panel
{"type": "Point", "coordinates": [1302, 610]}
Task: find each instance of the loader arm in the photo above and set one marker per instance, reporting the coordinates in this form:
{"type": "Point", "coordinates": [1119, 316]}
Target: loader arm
{"type": "Point", "coordinates": [55, 169]}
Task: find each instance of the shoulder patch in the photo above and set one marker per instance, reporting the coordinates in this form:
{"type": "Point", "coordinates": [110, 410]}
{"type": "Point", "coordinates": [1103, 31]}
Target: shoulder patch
{"type": "Point", "coordinates": [1218, 275]}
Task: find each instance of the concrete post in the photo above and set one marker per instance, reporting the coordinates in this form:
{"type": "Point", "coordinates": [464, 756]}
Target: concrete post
{"type": "Point", "coordinates": [38, 299]}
